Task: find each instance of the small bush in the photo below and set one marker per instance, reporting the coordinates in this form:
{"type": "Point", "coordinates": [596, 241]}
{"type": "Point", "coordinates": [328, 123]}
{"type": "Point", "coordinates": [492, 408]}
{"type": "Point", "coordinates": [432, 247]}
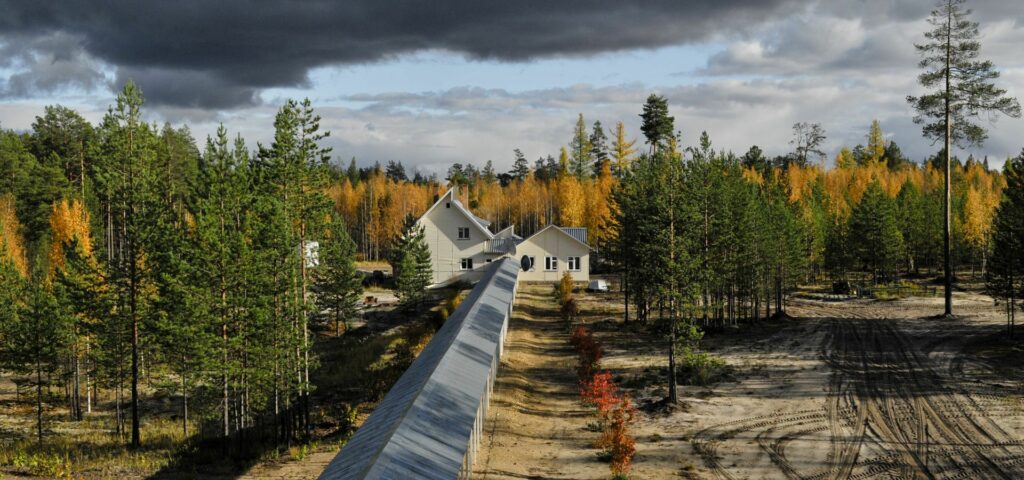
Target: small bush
{"type": "Point", "coordinates": [601, 393]}
{"type": "Point", "coordinates": [570, 310]}
{"type": "Point", "coordinates": [620, 443]}
{"type": "Point", "coordinates": [701, 368]}
{"type": "Point", "coordinates": [588, 351]}
{"type": "Point", "coordinates": [563, 289]}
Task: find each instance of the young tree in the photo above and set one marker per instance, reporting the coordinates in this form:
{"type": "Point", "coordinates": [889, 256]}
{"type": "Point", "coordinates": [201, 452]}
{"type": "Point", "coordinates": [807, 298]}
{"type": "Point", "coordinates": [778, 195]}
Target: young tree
{"type": "Point", "coordinates": [339, 283]}
{"type": "Point", "coordinates": [1005, 276]}
{"type": "Point", "coordinates": [961, 89]}
{"type": "Point", "coordinates": [35, 331]}
{"type": "Point", "coordinates": [412, 268]}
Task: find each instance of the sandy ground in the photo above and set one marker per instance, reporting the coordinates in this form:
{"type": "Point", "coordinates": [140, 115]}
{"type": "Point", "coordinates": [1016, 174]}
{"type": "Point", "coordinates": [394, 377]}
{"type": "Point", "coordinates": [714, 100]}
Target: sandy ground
{"type": "Point", "coordinates": [851, 389]}
{"type": "Point", "coordinates": [536, 427]}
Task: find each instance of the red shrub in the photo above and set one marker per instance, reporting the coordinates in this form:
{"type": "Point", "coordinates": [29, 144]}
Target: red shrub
{"type": "Point", "coordinates": [600, 392]}
{"type": "Point", "coordinates": [619, 442]}
{"type": "Point", "coordinates": [589, 353]}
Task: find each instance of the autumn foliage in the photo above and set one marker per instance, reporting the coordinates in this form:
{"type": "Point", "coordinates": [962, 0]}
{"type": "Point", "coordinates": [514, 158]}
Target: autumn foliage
{"type": "Point", "coordinates": [616, 439]}
{"type": "Point", "coordinates": [588, 352]}
{"type": "Point", "coordinates": [11, 246]}
{"type": "Point", "coordinates": [69, 223]}
{"type": "Point", "coordinates": [614, 409]}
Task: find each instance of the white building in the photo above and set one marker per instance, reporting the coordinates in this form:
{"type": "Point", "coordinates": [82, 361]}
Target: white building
{"type": "Point", "coordinates": [461, 245]}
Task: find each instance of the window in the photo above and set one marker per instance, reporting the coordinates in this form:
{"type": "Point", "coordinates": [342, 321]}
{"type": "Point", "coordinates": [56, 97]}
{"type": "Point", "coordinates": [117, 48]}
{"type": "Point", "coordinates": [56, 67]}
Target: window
{"type": "Point", "coordinates": [467, 263]}
{"type": "Point", "coordinates": [550, 264]}
{"type": "Point", "coordinates": [463, 233]}
{"type": "Point", "coordinates": [448, 205]}
{"type": "Point", "coordinates": [574, 263]}
{"type": "Point", "coordinates": [488, 260]}
{"type": "Point", "coordinates": [533, 264]}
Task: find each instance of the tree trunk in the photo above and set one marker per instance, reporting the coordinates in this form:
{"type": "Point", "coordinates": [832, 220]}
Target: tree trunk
{"type": "Point", "coordinates": [625, 285]}
{"type": "Point", "coordinates": [184, 401]}
{"type": "Point", "coordinates": [948, 162]}
{"type": "Point", "coordinates": [39, 390]}
{"type": "Point", "coordinates": [136, 440]}
{"type": "Point", "coordinates": [673, 395]}
{"type": "Point", "coordinates": [77, 395]}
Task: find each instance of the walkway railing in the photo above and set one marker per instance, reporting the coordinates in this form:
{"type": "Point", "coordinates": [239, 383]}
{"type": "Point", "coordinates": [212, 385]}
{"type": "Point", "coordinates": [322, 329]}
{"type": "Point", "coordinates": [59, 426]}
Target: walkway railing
{"type": "Point", "coordinates": [429, 425]}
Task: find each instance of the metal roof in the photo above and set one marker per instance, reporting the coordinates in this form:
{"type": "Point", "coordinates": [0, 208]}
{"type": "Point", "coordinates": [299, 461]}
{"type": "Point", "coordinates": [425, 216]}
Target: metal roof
{"type": "Point", "coordinates": [579, 233]}
{"type": "Point", "coordinates": [422, 428]}
{"type": "Point", "coordinates": [502, 245]}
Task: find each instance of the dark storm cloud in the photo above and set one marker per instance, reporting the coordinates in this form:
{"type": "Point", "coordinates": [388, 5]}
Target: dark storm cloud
{"type": "Point", "coordinates": [219, 54]}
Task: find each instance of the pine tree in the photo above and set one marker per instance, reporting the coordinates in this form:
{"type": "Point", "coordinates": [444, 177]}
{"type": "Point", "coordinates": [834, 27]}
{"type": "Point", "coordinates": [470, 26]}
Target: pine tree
{"type": "Point", "coordinates": [1005, 276]}
{"type": "Point", "coordinates": [657, 126]}
{"type": "Point", "coordinates": [339, 283]}
{"type": "Point", "coordinates": [352, 172]}
{"type": "Point", "coordinates": [911, 217]}
{"type": "Point", "coordinates": [412, 268]}
{"type": "Point", "coordinates": [598, 148]}
{"type": "Point", "coordinates": [962, 88]}
{"type": "Point", "coordinates": [36, 334]}
{"type": "Point", "coordinates": [395, 171]}
{"type": "Point", "coordinates": [520, 168]}
{"type": "Point", "coordinates": [877, 241]}
{"type": "Point", "coordinates": [130, 190]}
{"type": "Point", "coordinates": [218, 237]}
{"type": "Point", "coordinates": [62, 138]}
{"type": "Point", "coordinates": [580, 149]}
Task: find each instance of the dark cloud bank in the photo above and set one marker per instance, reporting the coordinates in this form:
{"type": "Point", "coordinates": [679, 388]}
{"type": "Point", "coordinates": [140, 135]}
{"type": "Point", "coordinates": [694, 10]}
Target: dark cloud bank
{"type": "Point", "coordinates": [203, 54]}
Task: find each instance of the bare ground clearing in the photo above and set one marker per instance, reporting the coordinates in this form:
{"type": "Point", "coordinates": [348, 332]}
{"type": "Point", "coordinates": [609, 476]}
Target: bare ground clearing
{"type": "Point", "coordinates": [853, 390]}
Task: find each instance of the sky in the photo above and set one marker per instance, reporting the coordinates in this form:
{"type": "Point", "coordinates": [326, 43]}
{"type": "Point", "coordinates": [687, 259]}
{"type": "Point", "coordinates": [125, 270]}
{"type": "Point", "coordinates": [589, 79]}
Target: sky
{"type": "Point", "coordinates": [433, 83]}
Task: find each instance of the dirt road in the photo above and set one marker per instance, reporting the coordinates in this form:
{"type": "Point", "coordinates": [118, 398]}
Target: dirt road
{"type": "Point", "coordinates": [535, 426]}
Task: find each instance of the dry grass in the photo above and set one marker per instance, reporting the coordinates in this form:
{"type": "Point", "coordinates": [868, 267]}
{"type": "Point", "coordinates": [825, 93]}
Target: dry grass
{"type": "Point", "coordinates": [88, 449]}
{"type": "Point", "coordinates": [356, 371]}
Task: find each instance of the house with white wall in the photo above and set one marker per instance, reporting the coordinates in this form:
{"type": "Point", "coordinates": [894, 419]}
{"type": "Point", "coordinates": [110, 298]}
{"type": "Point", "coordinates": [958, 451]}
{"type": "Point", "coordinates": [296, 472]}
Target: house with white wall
{"type": "Point", "coordinates": [462, 244]}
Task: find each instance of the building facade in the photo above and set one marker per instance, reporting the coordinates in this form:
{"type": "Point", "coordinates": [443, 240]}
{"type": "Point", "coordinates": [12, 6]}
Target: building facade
{"type": "Point", "coordinates": [462, 245]}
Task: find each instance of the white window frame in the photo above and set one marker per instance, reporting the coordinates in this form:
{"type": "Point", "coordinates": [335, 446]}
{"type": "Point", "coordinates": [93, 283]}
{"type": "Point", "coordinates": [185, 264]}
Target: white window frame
{"type": "Point", "coordinates": [550, 264]}
{"type": "Point", "coordinates": [466, 264]}
{"type": "Point", "coordinates": [462, 230]}
{"type": "Point", "coordinates": [533, 264]}
{"type": "Point", "coordinates": [573, 264]}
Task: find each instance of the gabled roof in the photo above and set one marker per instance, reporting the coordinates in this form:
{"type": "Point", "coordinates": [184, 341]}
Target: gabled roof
{"type": "Point", "coordinates": [508, 232]}
{"type": "Point", "coordinates": [576, 233]}
{"type": "Point", "coordinates": [449, 196]}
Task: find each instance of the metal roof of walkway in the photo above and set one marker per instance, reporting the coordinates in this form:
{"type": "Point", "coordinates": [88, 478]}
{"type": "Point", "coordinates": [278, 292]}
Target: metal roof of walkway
{"type": "Point", "coordinates": [428, 425]}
